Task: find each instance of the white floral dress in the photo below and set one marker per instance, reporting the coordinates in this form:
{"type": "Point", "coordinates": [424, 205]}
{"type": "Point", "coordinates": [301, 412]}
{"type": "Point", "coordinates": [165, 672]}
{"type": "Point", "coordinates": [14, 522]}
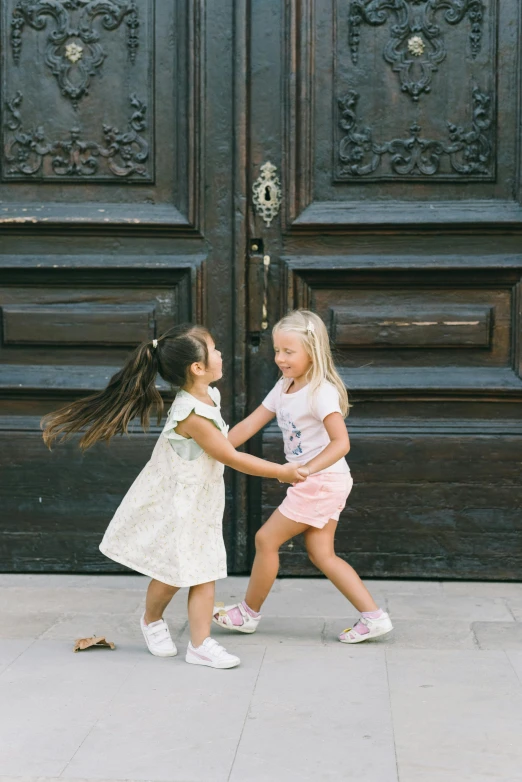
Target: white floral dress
{"type": "Point", "coordinates": [169, 524]}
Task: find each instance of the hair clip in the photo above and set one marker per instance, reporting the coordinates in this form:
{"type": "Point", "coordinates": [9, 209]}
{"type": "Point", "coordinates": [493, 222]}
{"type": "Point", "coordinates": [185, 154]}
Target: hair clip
{"type": "Point", "coordinates": [154, 344]}
{"type": "Point", "coordinates": [310, 326]}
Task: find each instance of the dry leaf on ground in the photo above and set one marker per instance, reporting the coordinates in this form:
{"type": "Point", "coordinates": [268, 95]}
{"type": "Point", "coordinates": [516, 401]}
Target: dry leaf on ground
{"type": "Point", "coordinates": [95, 640]}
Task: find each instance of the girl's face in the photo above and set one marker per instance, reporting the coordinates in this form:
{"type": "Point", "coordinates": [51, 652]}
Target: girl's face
{"type": "Point", "coordinates": [290, 355]}
{"type": "Point", "coordinates": [213, 370]}
{"type": "Point", "coordinates": [215, 362]}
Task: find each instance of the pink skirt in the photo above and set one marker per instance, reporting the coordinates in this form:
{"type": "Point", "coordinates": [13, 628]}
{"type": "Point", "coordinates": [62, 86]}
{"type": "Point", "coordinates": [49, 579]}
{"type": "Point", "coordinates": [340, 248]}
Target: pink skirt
{"type": "Point", "coordinates": [318, 499]}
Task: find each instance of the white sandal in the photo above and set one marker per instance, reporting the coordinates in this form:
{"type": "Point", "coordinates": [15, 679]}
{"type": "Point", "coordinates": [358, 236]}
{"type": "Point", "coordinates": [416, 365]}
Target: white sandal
{"type": "Point", "coordinates": [220, 617]}
{"type": "Point", "coordinates": [376, 628]}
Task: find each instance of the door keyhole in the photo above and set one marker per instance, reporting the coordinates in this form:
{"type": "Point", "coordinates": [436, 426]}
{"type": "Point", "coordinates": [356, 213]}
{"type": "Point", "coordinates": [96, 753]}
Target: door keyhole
{"type": "Point", "coordinates": [267, 193]}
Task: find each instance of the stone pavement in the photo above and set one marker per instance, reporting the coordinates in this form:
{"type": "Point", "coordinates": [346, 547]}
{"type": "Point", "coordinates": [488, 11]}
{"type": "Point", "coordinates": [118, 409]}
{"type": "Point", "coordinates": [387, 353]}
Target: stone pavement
{"type": "Point", "coordinates": [440, 700]}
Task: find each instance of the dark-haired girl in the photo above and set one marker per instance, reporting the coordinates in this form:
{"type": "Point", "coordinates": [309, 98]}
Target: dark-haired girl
{"type": "Point", "coordinates": [169, 524]}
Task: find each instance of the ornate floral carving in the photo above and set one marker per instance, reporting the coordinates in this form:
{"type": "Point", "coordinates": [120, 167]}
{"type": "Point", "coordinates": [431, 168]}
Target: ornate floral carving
{"type": "Point", "coordinates": [17, 25]}
{"type": "Point", "coordinates": [73, 52]}
{"type": "Point", "coordinates": [133, 24]}
{"type": "Point", "coordinates": [73, 75]}
{"type": "Point", "coordinates": [125, 152]}
{"type": "Point", "coordinates": [416, 46]}
{"type": "Point", "coordinates": [415, 20]}
{"type": "Point", "coordinates": [468, 150]}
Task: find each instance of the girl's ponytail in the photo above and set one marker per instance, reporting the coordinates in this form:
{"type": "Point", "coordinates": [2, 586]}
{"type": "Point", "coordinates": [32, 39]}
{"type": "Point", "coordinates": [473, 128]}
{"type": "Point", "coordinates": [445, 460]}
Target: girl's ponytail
{"type": "Point", "coordinates": [131, 392]}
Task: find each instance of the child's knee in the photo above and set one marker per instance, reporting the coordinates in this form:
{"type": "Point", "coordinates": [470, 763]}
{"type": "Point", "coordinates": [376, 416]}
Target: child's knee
{"type": "Point", "coordinates": [264, 541]}
{"type": "Point", "coordinates": [206, 589]}
{"type": "Point", "coordinates": [160, 586]}
{"type": "Point", "coordinates": [321, 559]}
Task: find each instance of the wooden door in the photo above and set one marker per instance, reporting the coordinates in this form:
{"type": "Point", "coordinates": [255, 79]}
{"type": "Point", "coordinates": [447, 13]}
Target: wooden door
{"type": "Point", "coordinates": [394, 128]}
{"type": "Point", "coordinates": [116, 222]}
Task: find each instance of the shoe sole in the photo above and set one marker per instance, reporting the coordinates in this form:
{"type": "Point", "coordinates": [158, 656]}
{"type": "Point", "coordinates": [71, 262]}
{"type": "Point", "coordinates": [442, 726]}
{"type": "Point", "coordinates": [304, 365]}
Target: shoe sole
{"type": "Point", "coordinates": [368, 637]}
{"type": "Point", "coordinates": [156, 654]}
{"type": "Point", "coordinates": [236, 628]}
{"type": "Point", "coordinates": [212, 665]}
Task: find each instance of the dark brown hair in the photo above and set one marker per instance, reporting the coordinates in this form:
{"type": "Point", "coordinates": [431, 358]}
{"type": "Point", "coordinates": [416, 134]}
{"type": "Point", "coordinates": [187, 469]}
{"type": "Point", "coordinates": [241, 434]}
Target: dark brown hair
{"type": "Point", "coordinates": [131, 392]}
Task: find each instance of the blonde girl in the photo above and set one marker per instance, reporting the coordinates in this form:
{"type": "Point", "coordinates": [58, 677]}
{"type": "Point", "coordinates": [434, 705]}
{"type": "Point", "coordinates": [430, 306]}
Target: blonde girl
{"type": "Point", "coordinates": [311, 403]}
{"type": "Point", "coordinates": [169, 525]}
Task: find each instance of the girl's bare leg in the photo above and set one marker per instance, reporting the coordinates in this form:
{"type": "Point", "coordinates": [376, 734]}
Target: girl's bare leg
{"type": "Point", "coordinates": [269, 539]}
{"type": "Point", "coordinates": [159, 596]}
{"type": "Point", "coordinates": [200, 605]}
{"type": "Point", "coordinates": [320, 547]}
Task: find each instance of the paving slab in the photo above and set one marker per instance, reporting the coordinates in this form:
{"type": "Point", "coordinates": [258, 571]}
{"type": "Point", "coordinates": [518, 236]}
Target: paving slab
{"type": "Point", "coordinates": [310, 597]}
{"type": "Point", "coordinates": [16, 600]}
{"type": "Point", "coordinates": [417, 634]}
{"type": "Point", "coordinates": [498, 635]}
{"type": "Point", "coordinates": [26, 624]}
{"type": "Point", "coordinates": [301, 710]}
{"type": "Point", "coordinates": [515, 606]}
{"type": "Point", "coordinates": [61, 779]}
{"type": "Point", "coordinates": [515, 658]}
{"type": "Point", "coordinates": [385, 586]}
{"type": "Point", "coordinates": [459, 607]}
{"type": "Point", "coordinates": [11, 649]}
{"type": "Point", "coordinates": [171, 723]}
{"type": "Point", "coordinates": [50, 699]}
{"type": "Point", "coordinates": [456, 716]}
{"type": "Point", "coordinates": [273, 630]}
{"type": "Point", "coordinates": [315, 711]}
{"type": "Point", "coordinates": [66, 580]}
{"type": "Point", "coordinates": [482, 588]}
{"type": "Point", "coordinates": [116, 627]}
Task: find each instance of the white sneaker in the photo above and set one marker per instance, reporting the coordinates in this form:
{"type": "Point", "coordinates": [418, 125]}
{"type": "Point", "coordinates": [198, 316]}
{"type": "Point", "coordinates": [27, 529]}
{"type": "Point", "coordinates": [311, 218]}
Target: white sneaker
{"type": "Point", "coordinates": [211, 653]}
{"type": "Point", "coordinates": [220, 617]}
{"type": "Point", "coordinates": [157, 638]}
{"type": "Point", "coordinates": [376, 627]}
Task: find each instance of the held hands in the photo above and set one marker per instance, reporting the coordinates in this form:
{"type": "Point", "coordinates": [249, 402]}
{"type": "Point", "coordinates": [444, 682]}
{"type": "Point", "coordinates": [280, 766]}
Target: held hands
{"type": "Point", "coordinates": [293, 473]}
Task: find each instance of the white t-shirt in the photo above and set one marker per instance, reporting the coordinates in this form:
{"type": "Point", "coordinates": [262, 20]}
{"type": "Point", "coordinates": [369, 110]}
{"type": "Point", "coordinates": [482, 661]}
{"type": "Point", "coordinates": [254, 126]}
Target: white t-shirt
{"type": "Point", "coordinates": [300, 419]}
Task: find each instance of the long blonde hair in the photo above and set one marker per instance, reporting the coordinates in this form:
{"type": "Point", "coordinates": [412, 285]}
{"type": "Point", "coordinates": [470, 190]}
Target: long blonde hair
{"type": "Point", "coordinates": [316, 342]}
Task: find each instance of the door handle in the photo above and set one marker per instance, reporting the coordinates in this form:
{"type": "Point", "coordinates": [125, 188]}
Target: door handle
{"type": "Point", "coordinates": [266, 270]}
{"type": "Point", "coordinates": [258, 279]}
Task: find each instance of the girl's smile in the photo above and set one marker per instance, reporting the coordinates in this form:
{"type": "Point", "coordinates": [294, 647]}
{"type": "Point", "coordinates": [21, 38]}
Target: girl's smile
{"type": "Point", "coordinates": [291, 356]}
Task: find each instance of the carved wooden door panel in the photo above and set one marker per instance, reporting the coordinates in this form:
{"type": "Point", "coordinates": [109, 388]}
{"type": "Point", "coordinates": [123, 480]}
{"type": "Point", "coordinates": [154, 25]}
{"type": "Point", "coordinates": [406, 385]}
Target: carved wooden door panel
{"type": "Point", "coordinates": [116, 195]}
{"type": "Point", "coordinates": [398, 147]}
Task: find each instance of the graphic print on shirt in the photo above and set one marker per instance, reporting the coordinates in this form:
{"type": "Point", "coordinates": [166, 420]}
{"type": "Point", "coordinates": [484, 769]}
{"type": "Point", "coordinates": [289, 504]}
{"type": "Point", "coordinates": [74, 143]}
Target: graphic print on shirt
{"type": "Point", "coordinates": [291, 434]}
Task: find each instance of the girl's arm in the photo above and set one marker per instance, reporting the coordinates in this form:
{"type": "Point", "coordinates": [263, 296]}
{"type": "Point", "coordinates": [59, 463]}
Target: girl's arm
{"type": "Point", "coordinates": [213, 442]}
{"type": "Point", "coordinates": [338, 447]}
{"type": "Point", "coordinates": [249, 426]}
